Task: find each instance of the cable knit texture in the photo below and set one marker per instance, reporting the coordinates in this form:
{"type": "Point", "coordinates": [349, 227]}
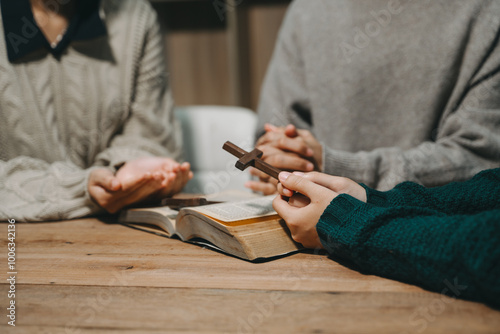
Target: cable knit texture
{"type": "Point", "coordinates": [105, 101]}
{"type": "Point", "coordinates": [445, 239]}
{"type": "Point", "coordinates": [396, 90]}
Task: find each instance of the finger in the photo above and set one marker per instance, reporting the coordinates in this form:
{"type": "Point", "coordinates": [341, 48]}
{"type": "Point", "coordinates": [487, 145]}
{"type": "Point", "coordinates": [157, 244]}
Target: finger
{"type": "Point", "coordinates": [263, 187]}
{"type": "Point", "coordinates": [139, 193]}
{"type": "Point", "coordinates": [295, 145]}
{"type": "Point", "coordinates": [323, 179]}
{"type": "Point", "coordinates": [105, 178]}
{"type": "Point", "coordinates": [185, 166]}
{"type": "Point", "coordinates": [176, 182]}
{"type": "Point", "coordinates": [291, 131]}
{"type": "Point", "coordinates": [306, 134]}
{"type": "Point", "coordinates": [166, 187]}
{"type": "Point", "coordinates": [271, 128]}
{"type": "Point", "coordinates": [113, 201]}
{"type": "Point", "coordinates": [284, 191]}
{"type": "Point", "coordinates": [298, 200]}
{"type": "Point", "coordinates": [336, 183]}
{"type": "Point", "coordinates": [283, 209]}
{"type": "Point", "coordinates": [301, 184]}
{"type": "Point", "coordinates": [261, 175]}
{"type": "Point", "coordinates": [180, 181]}
{"type": "Point", "coordinates": [170, 165]}
{"type": "Point", "coordinates": [99, 194]}
{"type": "Point", "coordinates": [289, 161]}
{"type": "Point", "coordinates": [136, 181]}
{"type": "Point", "coordinates": [270, 137]}
{"type": "Point", "coordinates": [175, 167]}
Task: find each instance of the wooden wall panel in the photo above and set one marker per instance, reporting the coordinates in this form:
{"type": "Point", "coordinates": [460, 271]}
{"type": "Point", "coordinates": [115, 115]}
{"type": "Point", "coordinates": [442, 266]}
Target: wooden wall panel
{"type": "Point", "coordinates": [264, 24]}
{"type": "Point", "coordinates": [216, 59]}
{"type": "Point", "coordinates": [198, 65]}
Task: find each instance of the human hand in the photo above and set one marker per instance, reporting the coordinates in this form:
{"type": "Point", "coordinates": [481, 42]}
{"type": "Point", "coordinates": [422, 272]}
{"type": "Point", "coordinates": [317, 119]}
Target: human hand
{"type": "Point", "coordinates": [308, 196]}
{"type": "Point", "coordinates": [292, 140]}
{"type": "Point", "coordinates": [304, 207]}
{"type": "Point", "coordinates": [174, 176]}
{"type": "Point", "coordinates": [285, 148]}
{"type": "Point", "coordinates": [278, 159]}
{"type": "Point", "coordinates": [139, 180]}
{"type": "Point", "coordinates": [340, 185]}
{"type": "Point", "coordinates": [110, 193]}
{"type": "Point", "coordinates": [183, 174]}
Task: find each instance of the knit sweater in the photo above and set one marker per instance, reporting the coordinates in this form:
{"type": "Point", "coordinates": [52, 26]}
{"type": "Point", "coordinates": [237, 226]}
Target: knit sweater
{"type": "Point", "coordinates": [445, 239]}
{"type": "Point", "coordinates": [104, 102]}
{"type": "Point", "coordinates": [395, 90]}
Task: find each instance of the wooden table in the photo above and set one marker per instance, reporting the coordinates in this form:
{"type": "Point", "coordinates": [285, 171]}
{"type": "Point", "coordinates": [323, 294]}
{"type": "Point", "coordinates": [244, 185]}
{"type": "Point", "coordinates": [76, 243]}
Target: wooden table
{"type": "Point", "coordinates": [88, 276]}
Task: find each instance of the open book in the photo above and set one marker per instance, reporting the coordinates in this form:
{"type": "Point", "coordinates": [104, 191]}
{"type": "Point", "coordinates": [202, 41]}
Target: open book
{"type": "Point", "coordinates": [249, 229]}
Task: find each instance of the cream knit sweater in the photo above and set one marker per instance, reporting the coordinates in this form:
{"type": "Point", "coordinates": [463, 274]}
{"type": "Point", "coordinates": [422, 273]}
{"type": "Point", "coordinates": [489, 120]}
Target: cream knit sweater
{"type": "Point", "coordinates": [104, 102]}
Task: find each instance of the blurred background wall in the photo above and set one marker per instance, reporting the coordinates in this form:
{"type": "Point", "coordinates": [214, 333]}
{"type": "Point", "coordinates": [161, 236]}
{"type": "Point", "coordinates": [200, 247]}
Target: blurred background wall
{"type": "Point", "coordinates": [218, 50]}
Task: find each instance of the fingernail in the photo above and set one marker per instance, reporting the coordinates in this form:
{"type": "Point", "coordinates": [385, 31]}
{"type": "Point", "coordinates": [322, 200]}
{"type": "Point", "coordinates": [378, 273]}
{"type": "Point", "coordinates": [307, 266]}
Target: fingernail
{"type": "Point", "coordinates": [309, 166]}
{"type": "Point", "coordinates": [283, 176]}
{"type": "Point", "coordinates": [309, 152]}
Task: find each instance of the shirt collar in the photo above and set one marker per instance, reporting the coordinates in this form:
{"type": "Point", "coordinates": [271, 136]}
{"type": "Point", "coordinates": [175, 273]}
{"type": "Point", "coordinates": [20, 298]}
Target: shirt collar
{"type": "Point", "coordinates": [23, 36]}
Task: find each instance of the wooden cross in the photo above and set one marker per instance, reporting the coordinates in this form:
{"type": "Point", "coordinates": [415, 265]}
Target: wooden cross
{"type": "Point", "coordinates": [250, 159]}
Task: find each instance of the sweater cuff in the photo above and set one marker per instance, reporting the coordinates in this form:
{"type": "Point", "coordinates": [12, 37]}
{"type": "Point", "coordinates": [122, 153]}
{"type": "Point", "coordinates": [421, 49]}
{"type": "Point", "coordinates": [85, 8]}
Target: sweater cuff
{"type": "Point", "coordinates": [375, 197]}
{"type": "Point", "coordinates": [346, 164]}
{"type": "Point", "coordinates": [335, 224]}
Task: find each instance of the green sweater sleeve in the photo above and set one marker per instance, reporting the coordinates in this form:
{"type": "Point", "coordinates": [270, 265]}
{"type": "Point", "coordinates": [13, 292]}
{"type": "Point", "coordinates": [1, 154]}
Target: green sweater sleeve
{"type": "Point", "coordinates": [475, 195]}
{"type": "Point", "coordinates": [457, 255]}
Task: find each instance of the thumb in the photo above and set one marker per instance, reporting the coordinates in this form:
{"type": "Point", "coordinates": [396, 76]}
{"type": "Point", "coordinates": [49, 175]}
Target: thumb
{"type": "Point", "coordinates": [104, 178]}
{"type": "Point", "coordinates": [291, 131]}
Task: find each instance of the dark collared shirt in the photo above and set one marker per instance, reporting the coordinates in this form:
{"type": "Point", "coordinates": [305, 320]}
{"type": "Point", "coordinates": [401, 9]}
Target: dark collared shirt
{"type": "Point", "coordinates": [23, 36]}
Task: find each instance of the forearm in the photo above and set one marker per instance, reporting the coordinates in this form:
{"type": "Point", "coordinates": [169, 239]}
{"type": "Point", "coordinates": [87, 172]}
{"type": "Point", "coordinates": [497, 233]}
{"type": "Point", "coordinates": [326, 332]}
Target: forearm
{"type": "Point", "coordinates": [33, 190]}
{"type": "Point", "coordinates": [465, 142]}
{"type": "Point", "coordinates": [418, 246]}
{"type": "Point", "coordinates": [429, 164]}
{"type": "Point", "coordinates": [480, 193]}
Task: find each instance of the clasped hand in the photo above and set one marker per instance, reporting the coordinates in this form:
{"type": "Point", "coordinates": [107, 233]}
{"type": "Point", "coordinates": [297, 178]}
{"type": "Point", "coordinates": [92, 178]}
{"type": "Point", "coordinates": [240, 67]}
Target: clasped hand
{"type": "Point", "coordinates": [138, 181]}
{"type": "Point", "coordinates": [286, 148]}
{"type": "Point", "coordinates": [304, 196]}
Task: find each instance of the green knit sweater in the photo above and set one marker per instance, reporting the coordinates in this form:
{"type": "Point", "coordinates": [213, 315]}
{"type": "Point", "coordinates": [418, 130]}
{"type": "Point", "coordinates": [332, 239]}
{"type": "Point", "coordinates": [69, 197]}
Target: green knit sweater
{"type": "Point", "coordinates": [444, 239]}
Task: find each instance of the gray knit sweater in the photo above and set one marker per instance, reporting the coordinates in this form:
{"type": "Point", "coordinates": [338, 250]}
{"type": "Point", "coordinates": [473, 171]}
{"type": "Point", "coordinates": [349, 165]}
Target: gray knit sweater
{"type": "Point", "coordinates": [104, 102]}
{"type": "Point", "coordinates": [396, 90]}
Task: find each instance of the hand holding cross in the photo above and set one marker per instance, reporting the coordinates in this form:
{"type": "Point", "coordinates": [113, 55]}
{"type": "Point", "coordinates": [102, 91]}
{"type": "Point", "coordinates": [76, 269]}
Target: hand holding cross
{"type": "Point", "coordinates": [250, 159]}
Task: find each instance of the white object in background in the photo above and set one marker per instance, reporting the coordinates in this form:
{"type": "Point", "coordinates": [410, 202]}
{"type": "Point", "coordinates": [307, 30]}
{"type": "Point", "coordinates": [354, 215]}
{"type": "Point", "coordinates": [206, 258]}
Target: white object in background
{"type": "Point", "coordinates": [205, 130]}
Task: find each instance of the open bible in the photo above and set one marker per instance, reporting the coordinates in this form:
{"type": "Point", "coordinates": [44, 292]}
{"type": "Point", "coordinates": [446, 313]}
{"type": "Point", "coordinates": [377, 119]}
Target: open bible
{"type": "Point", "coordinates": [249, 229]}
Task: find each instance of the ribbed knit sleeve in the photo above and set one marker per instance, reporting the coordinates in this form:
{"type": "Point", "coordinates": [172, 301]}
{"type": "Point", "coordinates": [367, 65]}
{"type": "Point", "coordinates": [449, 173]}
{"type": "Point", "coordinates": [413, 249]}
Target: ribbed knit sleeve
{"type": "Point", "coordinates": [454, 254]}
{"type": "Point", "coordinates": [480, 193]}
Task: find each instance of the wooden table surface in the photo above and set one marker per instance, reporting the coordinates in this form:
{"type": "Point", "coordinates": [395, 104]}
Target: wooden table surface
{"type": "Point", "coordinates": [88, 276]}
